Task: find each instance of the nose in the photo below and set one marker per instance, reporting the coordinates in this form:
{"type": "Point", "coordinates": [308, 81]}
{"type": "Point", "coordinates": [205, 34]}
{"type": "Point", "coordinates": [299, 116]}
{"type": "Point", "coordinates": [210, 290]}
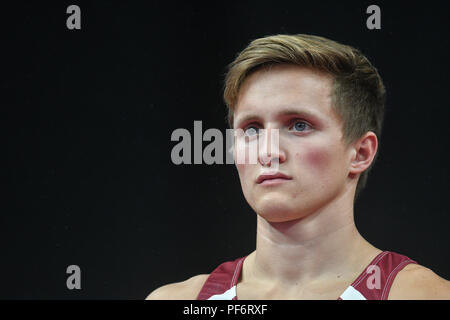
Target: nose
{"type": "Point", "coordinates": [269, 152]}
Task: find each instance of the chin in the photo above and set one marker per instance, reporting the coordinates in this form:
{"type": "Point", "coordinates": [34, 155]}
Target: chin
{"type": "Point", "coordinates": [274, 212]}
{"type": "Point", "coordinates": [279, 217]}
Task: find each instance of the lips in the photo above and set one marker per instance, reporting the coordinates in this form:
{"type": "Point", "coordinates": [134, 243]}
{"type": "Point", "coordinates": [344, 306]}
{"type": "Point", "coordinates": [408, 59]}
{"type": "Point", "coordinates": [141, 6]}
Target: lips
{"type": "Point", "coordinates": [272, 176]}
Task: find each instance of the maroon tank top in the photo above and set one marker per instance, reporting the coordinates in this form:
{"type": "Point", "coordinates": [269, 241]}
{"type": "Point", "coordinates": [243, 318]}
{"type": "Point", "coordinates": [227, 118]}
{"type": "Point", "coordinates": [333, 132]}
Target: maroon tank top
{"type": "Point", "coordinates": [374, 283]}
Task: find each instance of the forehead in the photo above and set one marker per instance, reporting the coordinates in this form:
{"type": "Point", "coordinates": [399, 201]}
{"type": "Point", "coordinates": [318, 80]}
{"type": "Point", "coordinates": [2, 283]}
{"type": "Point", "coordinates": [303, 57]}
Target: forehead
{"type": "Point", "coordinates": [283, 90]}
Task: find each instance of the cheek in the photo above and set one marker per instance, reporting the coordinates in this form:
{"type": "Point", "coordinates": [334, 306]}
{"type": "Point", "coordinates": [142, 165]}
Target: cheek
{"type": "Point", "coordinates": [315, 168]}
{"type": "Point", "coordinates": [247, 173]}
{"type": "Point", "coordinates": [241, 168]}
{"type": "Point", "coordinates": [245, 177]}
{"type": "Point", "coordinates": [244, 172]}
{"type": "Point", "coordinates": [317, 159]}
{"type": "Point", "coordinates": [245, 157]}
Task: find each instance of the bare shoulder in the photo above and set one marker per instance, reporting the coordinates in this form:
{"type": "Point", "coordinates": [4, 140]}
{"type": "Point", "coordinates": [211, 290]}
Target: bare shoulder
{"type": "Point", "coordinates": [185, 290]}
{"type": "Point", "coordinates": [416, 282]}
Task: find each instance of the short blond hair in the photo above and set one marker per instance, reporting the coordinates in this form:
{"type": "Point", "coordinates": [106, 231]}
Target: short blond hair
{"type": "Point", "coordinates": [358, 90]}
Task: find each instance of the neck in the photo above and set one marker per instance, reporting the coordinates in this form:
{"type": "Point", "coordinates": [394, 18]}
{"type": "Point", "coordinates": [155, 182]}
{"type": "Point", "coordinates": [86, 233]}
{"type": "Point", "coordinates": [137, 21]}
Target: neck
{"type": "Point", "coordinates": [320, 246]}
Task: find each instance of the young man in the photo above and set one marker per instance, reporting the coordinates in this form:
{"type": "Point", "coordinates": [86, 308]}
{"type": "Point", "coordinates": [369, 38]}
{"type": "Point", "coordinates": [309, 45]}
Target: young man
{"type": "Point", "coordinates": [326, 102]}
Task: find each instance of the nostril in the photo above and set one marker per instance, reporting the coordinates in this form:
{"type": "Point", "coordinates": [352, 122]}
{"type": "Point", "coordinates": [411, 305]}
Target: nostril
{"type": "Point", "coordinates": [266, 159]}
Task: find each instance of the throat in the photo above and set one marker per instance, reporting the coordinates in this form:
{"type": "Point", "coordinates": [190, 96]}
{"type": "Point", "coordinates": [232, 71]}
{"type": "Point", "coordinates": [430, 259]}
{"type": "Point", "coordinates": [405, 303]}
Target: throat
{"type": "Point", "coordinates": [329, 284]}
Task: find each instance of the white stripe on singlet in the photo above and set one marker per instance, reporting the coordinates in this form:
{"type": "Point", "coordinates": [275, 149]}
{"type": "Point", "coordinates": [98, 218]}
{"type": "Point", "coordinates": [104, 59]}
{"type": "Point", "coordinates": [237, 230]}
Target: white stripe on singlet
{"type": "Point", "coordinates": [227, 295]}
{"type": "Point", "coordinates": [352, 294]}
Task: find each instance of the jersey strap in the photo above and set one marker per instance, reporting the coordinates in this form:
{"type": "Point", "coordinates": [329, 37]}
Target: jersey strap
{"type": "Point", "coordinates": [221, 283]}
{"type": "Point", "coordinates": [375, 282]}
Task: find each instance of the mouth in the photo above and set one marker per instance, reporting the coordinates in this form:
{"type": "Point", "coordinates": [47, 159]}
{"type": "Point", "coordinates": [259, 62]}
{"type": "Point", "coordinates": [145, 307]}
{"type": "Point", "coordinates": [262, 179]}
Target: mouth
{"type": "Point", "coordinates": [272, 178]}
{"type": "Point", "coordinates": [271, 182]}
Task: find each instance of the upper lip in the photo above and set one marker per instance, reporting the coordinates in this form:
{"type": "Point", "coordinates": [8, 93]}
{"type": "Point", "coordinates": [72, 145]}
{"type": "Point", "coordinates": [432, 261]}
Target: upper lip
{"type": "Point", "coordinates": [271, 175]}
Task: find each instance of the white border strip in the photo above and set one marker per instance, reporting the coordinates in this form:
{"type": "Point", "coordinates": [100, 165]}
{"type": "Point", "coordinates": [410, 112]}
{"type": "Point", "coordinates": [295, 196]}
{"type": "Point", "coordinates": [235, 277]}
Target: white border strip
{"type": "Point", "coordinates": [352, 294]}
{"type": "Point", "coordinates": [227, 295]}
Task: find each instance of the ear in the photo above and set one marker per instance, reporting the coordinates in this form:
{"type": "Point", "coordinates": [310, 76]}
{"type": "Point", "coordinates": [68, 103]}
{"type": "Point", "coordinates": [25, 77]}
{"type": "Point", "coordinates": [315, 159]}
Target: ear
{"type": "Point", "coordinates": [363, 153]}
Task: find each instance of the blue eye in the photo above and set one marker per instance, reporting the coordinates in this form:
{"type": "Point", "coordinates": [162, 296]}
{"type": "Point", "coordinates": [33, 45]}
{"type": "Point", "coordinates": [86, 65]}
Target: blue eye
{"type": "Point", "coordinates": [300, 126]}
{"type": "Point", "coordinates": [251, 131]}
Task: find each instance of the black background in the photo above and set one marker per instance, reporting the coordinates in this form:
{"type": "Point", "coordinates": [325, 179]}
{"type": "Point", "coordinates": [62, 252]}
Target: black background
{"type": "Point", "coordinates": [88, 114]}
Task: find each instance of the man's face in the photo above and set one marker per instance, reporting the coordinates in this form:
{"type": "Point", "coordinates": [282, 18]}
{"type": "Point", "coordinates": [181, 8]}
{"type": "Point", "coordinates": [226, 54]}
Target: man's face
{"type": "Point", "coordinates": [296, 101]}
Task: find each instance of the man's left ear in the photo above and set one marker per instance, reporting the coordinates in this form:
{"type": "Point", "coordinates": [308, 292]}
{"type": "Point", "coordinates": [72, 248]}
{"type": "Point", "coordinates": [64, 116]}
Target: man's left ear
{"type": "Point", "coordinates": [363, 153]}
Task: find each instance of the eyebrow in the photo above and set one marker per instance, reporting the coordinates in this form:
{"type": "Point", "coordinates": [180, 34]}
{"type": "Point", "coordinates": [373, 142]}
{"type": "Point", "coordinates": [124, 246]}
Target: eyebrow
{"type": "Point", "coordinates": [286, 112]}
